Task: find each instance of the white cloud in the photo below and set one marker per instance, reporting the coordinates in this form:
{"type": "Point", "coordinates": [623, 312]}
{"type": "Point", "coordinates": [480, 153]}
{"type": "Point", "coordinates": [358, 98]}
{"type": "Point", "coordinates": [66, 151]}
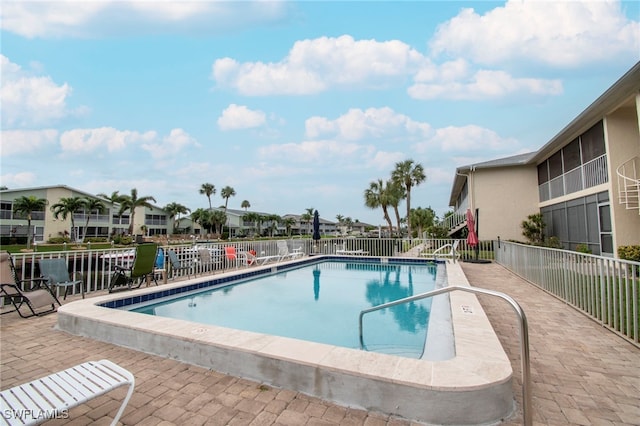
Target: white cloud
{"type": "Point", "coordinates": [485, 84]}
{"type": "Point", "coordinates": [236, 117]}
{"type": "Point", "coordinates": [319, 152]}
{"type": "Point", "coordinates": [26, 141]}
{"type": "Point", "coordinates": [313, 66]}
{"type": "Point", "coordinates": [18, 180]}
{"type": "Point", "coordinates": [359, 124]}
{"type": "Point", "coordinates": [82, 141]}
{"type": "Point", "coordinates": [467, 138]}
{"type": "Point", "coordinates": [29, 99]}
{"type": "Point", "coordinates": [383, 160]}
{"type": "Point", "coordinates": [174, 143]}
{"type": "Point", "coordinates": [558, 33]}
{"type": "Point", "coordinates": [114, 18]}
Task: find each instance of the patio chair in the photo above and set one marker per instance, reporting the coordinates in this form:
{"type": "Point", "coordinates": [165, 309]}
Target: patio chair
{"type": "Point", "coordinates": [354, 252]}
{"type": "Point", "coordinates": [178, 265]}
{"type": "Point", "coordinates": [284, 253]}
{"type": "Point", "coordinates": [39, 295]}
{"type": "Point", "coordinates": [233, 257]}
{"type": "Point", "coordinates": [446, 251]}
{"type": "Point", "coordinates": [56, 272]}
{"type": "Point", "coordinates": [252, 259]}
{"type": "Point", "coordinates": [142, 270]}
{"type": "Point", "coordinates": [34, 402]}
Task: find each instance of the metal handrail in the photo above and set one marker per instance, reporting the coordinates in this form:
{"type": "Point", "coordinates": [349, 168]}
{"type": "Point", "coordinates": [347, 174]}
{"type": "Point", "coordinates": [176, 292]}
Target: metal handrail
{"type": "Point", "coordinates": [524, 335]}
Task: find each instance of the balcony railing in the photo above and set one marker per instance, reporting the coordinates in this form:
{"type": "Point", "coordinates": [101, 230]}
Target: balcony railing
{"type": "Point", "coordinates": [587, 175]}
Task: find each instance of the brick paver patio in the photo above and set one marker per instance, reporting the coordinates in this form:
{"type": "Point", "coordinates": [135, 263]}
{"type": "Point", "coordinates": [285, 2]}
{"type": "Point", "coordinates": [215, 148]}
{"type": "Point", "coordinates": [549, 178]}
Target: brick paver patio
{"type": "Point", "coordinates": [582, 373]}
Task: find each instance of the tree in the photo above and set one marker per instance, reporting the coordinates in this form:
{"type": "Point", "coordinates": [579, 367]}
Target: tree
{"type": "Point", "coordinates": [395, 194]}
{"type": "Point", "coordinates": [203, 218]}
{"type": "Point", "coordinates": [288, 224]}
{"type": "Point", "coordinates": [114, 198]}
{"type": "Point", "coordinates": [533, 228]}
{"type": "Point", "coordinates": [273, 220]}
{"type": "Point", "coordinates": [25, 206]}
{"type": "Point", "coordinates": [245, 205]}
{"type": "Point", "coordinates": [175, 210]}
{"type": "Point", "coordinates": [424, 219]}
{"type": "Point", "coordinates": [131, 202]}
{"type": "Point", "coordinates": [226, 193]}
{"type": "Point", "coordinates": [376, 197]}
{"type": "Point", "coordinates": [91, 205]}
{"type": "Point", "coordinates": [208, 189]}
{"type": "Point", "coordinates": [68, 207]}
{"type": "Point", "coordinates": [254, 218]}
{"type": "Point", "coordinates": [408, 174]}
{"type": "Point", "coordinates": [306, 217]}
{"type": "Point", "coordinates": [218, 219]}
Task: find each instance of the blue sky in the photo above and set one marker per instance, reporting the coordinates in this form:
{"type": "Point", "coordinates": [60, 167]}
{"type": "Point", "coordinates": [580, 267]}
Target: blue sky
{"type": "Point", "coordinates": [293, 104]}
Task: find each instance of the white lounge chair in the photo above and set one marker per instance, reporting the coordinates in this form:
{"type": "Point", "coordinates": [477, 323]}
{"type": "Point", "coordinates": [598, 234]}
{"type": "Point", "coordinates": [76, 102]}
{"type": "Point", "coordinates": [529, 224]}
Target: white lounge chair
{"type": "Point", "coordinates": [252, 259]}
{"type": "Point", "coordinates": [346, 252]}
{"type": "Point", "coordinates": [284, 253]}
{"type": "Point", "coordinates": [52, 396]}
{"type": "Point", "coordinates": [446, 251]}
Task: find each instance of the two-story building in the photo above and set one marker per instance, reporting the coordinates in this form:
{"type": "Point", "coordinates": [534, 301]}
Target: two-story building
{"type": "Point", "coordinates": [149, 221]}
{"type": "Point", "coordinates": [585, 181]}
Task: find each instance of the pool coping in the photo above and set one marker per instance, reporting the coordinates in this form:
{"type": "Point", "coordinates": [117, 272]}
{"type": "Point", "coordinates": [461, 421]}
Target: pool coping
{"type": "Point", "coordinates": [474, 387]}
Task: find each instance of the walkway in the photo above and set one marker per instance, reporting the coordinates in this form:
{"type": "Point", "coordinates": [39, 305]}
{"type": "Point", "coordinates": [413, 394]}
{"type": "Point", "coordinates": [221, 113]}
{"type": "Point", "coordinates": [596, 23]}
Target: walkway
{"type": "Point", "coordinates": [582, 374]}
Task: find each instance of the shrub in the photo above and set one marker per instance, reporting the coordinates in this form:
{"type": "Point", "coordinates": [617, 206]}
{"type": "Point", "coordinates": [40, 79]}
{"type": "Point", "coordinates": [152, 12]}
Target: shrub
{"type": "Point", "coordinates": [59, 240]}
{"type": "Point", "coordinates": [583, 248]}
{"type": "Point", "coordinates": [629, 253]}
{"type": "Point", "coordinates": [533, 228]}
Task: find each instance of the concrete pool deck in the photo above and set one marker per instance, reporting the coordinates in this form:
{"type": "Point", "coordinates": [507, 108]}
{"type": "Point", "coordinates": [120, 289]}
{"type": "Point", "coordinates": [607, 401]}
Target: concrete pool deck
{"type": "Point", "coordinates": [582, 373]}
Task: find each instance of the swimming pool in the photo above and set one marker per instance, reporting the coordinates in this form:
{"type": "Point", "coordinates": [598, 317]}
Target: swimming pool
{"type": "Point", "coordinates": [472, 387]}
{"type": "Point", "coordinates": [320, 303]}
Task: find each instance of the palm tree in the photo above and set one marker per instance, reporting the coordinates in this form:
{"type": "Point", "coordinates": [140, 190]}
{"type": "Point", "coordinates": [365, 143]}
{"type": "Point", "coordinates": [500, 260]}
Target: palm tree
{"type": "Point", "coordinates": [253, 218]}
{"type": "Point", "coordinates": [208, 189]}
{"type": "Point", "coordinates": [245, 205]}
{"type": "Point", "coordinates": [375, 197]}
{"type": "Point", "coordinates": [175, 210]}
{"type": "Point", "coordinates": [114, 198]}
{"type": "Point", "coordinates": [395, 194]}
{"type": "Point", "coordinates": [288, 223]}
{"type": "Point", "coordinates": [91, 205]}
{"type": "Point", "coordinates": [218, 219]}
{"type": "Point", "coordinates": [68, 206]}
{"type": "Point", "coordinates": [408, 174]}
{"type": "Point", "coordinates": [273, 220]}
{"type": "Point", "coordinates": [226, 193]}
{"type": "Point", "coordinates": [306, 217]}
{"type": "Point", "coordinates": [203, 218]}
{"type": "Point", "coordinates": [26, 205]}
{"type": "Point", "coordinates": [131, 202]}
{"type": "Point", "coordinates": [423, 219]}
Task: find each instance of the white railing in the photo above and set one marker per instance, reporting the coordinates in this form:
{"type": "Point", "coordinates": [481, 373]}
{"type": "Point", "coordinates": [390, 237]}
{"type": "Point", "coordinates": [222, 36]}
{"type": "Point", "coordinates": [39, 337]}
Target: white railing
{"type": "Point", "coordinates": [606, 289]}
{"type": "Point", "coordinates": [629, 183]}
{"type": "Point", "coordinates": [454, 220]}
{"type": "Point", "coordinates": [95, 267]}
{"type": "Point", "coordinates": [589, 174]}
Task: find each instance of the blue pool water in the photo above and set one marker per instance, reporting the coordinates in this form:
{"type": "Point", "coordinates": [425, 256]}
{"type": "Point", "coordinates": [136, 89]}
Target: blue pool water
{"type": "Point", "coordinates": [321, 303]}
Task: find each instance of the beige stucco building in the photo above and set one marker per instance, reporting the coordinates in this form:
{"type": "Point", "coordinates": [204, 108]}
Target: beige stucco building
{"type": "Point", "coordinates": [585, 181]}
{"type": "Point", "coordinates": [148, 221]}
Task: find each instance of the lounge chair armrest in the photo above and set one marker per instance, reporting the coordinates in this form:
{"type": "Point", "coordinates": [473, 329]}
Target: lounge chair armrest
{"type": "Point", "coordinates": [36, 283]}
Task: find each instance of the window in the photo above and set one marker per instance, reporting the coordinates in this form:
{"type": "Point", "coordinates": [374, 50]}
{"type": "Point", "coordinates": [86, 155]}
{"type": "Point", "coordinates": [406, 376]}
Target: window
{"type": "Point", "coordinates": [571, 155]}
{"type": "Point", "coordinates": [6, 210]}
{"type": "Point", "coordinates": [543, 173]}
{"type": "Point", "coordinates": [555, 165]}
{"type": "Point", "coordinates": [592, 142]}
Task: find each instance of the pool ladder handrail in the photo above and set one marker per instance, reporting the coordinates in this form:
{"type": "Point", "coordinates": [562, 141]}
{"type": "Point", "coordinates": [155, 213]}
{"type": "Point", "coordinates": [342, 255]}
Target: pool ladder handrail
{"type": "Point", "coordinates": [527, 414]}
